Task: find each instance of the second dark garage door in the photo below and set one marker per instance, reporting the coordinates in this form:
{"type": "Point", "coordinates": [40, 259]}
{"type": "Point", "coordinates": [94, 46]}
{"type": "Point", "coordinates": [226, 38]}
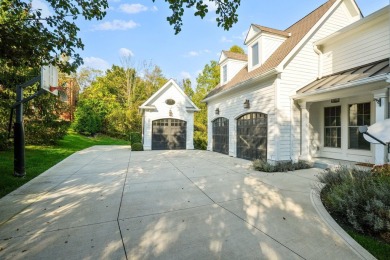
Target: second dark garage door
{"type": "Point", "coordinates": [252, 136]}
{"type": "Point", "coordinates": [169, 134]}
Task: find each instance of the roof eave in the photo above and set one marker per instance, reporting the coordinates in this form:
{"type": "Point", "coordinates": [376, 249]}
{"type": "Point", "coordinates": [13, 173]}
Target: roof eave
{"type": "Point", "coordinates": [263, 76]}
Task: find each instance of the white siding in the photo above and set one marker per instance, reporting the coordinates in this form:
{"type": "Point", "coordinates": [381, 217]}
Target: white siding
{"type": "Point", "coordinates": [301, 70]}
{"type": "Point", "coordinates": [233, 67]}
{"type": "Point", "coordinates": [162, 111]}
{"type": "Point", "coordinates": [362, 45]}
{"type": "Point", "coordinates": [269, 43]}
{"type": "Point", "coordinates": [261, 99]}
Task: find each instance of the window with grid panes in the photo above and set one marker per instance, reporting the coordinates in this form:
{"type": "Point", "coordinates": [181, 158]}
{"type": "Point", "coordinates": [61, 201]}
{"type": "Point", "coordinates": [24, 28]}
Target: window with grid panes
{"type": "Point", "coordinates": [359, 114]}
{"type": "Point", "coordinates": [332, 119]}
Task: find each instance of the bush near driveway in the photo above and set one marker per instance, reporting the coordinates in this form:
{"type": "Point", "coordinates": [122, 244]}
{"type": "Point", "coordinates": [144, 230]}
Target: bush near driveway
{"type": "Point", "coordinates": [359, 198]}
{"type": "Point", "coordinates": [264, 166]}
{"type": "Point", "coordinates": [137, 147]}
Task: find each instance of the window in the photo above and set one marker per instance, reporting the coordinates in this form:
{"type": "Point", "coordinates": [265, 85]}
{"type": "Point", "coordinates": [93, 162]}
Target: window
{"type": "Point", "coordinates": [224, 73]}
{"type": "Point", "coordinates": [332, 116]}
{"type": "Point", "coordinates": [359, 114]}
{"type": "Point", "coordinates": [255, 54]}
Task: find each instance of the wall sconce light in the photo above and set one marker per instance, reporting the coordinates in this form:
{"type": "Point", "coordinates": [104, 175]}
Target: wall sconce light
{"type": "Point", "coordinates": [378, 101]}
{"type": "Point", "coordinates": [217, 111]}
{"type": "Point", "coordinates": [246, 104]}
{"type": "Point", "coordinates": [170, 113]}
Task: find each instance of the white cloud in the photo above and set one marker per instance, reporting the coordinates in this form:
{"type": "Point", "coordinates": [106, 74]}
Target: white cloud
{"type": "Point", "coordinates": [44, 8]}
{"type": "Point", "coordinates": [242, 36]}
{"type": "Point", "coordinates": [154, 8]}
{"type": "Point", "coordinates": [185, 75]}
{"type": "Point", "coordinates": [224, 39]}
{"type": "Point", "coordinates": [212, 7]}
{"type": "Point", "coordinates": [193, 53]}
{"type": "Point", "coordinates": [196, 53]}
{"type": "Point", "coordinates": [133, 8]}
{"type": "Point", "coordinates": [96, 63]}
{"type": "Point", "coordinates": [123, 52]}
{"type": "Point", "coordinates": [116, 25]}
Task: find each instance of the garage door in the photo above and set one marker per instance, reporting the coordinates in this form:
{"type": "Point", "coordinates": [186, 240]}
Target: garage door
{"type": "Point", "coordinates": [252, 136]}
{"type": "Point", "coordinates": [221, 135]}
{"type": "Point", "coordinates": [169, 134]}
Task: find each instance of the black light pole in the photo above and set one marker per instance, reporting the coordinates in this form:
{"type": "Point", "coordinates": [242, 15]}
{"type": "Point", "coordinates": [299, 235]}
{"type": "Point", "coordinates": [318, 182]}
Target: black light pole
{"type": "Point", "coordinates": [19, 163]}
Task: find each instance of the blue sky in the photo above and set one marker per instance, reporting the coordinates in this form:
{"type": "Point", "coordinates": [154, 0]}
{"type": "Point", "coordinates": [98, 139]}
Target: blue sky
{"type": "Point", "coordinates": [139, 30]}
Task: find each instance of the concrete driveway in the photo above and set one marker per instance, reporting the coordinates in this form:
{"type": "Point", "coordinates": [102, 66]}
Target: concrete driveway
{"type": "Point", "coordinates": [106, 202]}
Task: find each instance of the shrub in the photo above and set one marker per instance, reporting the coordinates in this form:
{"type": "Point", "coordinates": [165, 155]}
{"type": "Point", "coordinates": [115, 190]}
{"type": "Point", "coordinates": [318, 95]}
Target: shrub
{"type": "Point", "coordinates": [39, 132]}
{"type": "Point", "coordinates": [200, 140]}
{"type": "Point", "coordinates": [135, 137]}
{"type": "Point", "coordinates": [137, 147]}
{"type": "Point", "coordinates": [264, 166]}
{"type": "Point", "coordinates": [358, 197]}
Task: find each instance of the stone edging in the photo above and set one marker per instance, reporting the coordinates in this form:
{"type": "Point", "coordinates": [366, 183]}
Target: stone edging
{"type": "Point", "coordinates": [323, 213]}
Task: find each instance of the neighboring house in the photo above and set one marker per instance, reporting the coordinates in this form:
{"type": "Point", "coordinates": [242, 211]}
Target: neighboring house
{"type": "Point", "coordinates": [168, 119]}
{"type": "Point", "coordinates": [256, 111]}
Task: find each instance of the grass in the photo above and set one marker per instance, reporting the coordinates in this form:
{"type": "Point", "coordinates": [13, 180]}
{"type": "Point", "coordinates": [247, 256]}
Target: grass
{"type": "Point", "coordinates": [378, 248]}
{"type": "Point", "coordinates": [40, 158]}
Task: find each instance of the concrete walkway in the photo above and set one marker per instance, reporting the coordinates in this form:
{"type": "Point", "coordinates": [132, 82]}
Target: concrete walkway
{"type": "Point", "coordinates": [106, 202]}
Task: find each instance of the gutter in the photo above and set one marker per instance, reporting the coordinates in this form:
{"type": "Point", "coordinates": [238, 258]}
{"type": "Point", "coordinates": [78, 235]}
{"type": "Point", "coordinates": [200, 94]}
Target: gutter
{"type": "Point", "coordinates": [265, 75]}
{"type": "Point", "coordinates": [320, 54]}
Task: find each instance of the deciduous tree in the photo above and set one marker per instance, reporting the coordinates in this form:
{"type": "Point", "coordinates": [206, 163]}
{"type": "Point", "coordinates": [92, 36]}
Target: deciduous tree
{"type": "Point", "coordinates": [226, 11]}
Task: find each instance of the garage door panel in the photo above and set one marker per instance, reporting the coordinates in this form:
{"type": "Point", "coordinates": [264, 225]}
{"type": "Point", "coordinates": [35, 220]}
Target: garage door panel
{"type": "Point", "coordinates": [220, 128]}
{"type": "Point", "coordinates": [169, 134]}
{"type": "Point", "coordinates": [252, 136]}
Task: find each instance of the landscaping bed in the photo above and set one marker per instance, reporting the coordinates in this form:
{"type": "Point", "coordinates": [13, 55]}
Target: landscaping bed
{"type": "Point", "coordinates": [359, 200]}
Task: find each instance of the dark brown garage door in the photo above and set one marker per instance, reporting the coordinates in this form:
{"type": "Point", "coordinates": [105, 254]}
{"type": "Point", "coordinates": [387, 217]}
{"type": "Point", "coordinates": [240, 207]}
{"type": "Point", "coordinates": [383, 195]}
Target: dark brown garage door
{"type": "Point", "coordinates": [221, 135]}
{"type": "Point", "coordinates": [252, 136]}
{"type": "Point", "coordinates": [169, 134]}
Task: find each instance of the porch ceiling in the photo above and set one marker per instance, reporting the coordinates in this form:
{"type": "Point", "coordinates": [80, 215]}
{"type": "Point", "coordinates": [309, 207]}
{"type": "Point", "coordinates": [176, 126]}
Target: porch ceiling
{"type": "Point", "coordinates": [363, 79]}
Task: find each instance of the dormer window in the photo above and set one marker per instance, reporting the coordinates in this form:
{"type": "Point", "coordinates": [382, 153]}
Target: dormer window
{"type": "Point", "coordinates": [224, 73]}
{"type": "Point", "coordinates": [255, 54]}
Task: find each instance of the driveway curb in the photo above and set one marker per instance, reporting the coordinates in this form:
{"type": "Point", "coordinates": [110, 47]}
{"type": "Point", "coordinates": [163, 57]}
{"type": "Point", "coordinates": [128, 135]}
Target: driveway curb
{"type": "Point", "coordinates": [332, 224]}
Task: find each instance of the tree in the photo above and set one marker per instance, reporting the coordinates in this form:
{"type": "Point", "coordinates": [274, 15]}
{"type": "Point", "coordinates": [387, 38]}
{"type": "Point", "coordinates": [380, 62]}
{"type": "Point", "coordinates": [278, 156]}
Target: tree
{"type": "Point", "coordinates": [30, 39]}
{"type": "Point", "coordinates": [237, 49]}
{"type": "Point", "coordinates": [206, 81]}
{"type": "Point", "coordinates": [226, 11]}
{"type": "Point", "coordinates": [187, 88]}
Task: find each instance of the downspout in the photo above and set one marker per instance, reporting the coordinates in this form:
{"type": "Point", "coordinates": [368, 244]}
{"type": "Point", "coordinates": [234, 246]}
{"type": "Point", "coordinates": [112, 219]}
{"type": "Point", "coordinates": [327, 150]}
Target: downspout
{"type": "Point", "coordinates": [320, 54]}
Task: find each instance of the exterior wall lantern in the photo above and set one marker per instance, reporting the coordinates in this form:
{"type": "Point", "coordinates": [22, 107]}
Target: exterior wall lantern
{"type": "Point", "coordinates": [246, 104]}
{"type": "Point", "coordinates": [217, 111]}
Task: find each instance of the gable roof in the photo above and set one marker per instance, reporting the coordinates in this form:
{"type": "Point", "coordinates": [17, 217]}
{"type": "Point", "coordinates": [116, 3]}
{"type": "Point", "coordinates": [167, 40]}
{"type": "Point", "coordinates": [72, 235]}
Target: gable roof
{"type": "Point", "coordinates": [272, 30]}
{"type": "Point", "coordinates": [298, 31]}
{"type": "Point", "coordinates": [148, 104]}
{"type": "Point", "coordinates": [234, 56]}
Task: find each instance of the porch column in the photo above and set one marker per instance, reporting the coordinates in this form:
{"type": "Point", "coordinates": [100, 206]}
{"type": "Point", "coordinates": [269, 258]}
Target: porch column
{"type": "Point", "coordinates": [380, 151]}
{"type": "Point", "coordinates": [305, 131]}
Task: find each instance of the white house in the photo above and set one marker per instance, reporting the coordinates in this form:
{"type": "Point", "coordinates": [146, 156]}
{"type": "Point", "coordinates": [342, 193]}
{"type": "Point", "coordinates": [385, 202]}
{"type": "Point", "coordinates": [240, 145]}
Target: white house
{"type": "Point", "coordinates": [168, 119]}
{"type": "Point", "coordinates": [273, 104]}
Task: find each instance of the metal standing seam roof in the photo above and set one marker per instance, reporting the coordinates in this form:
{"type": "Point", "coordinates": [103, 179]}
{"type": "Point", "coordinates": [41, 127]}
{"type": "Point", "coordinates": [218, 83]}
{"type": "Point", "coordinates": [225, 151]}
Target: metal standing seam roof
{"type": "Point", "coordinates": [380, 67]}
{"type": "Point", "coordinates": [298, 30]}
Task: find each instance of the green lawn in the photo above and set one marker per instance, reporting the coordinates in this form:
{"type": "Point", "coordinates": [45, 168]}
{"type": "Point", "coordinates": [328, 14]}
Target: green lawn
{"type": "Point", "coordinates": [378, 248]}
{"type": "Point", "coordinates": [41, 158]}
